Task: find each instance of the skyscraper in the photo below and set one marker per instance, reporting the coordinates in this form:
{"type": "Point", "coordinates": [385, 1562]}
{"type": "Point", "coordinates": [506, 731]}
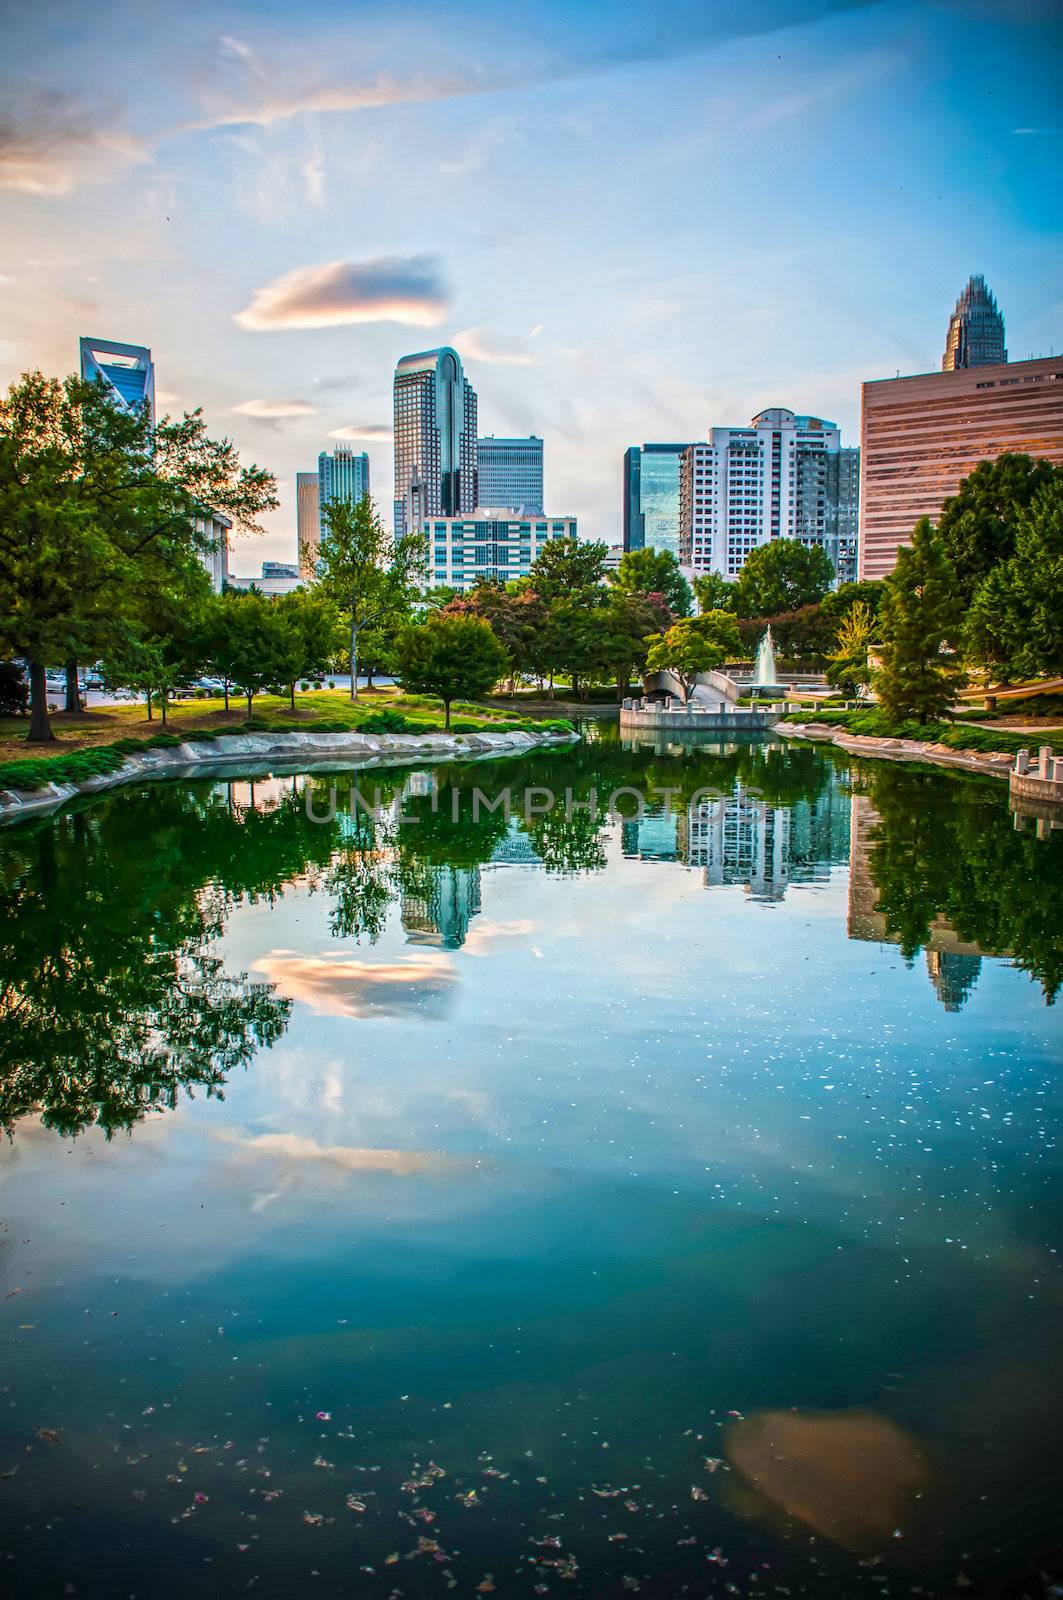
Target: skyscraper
{"type": "Point", "coordinates": [782, 477]}
{"type": "Point", "coordinates": [126, 369]}
{"type": "Point", "coordinates": [435, 439]}
{"type": "Point", "coordinates": [342, 475]}
{"type": "Point", "coordinates": [976, 330]}
{"type": "Point", "coordinates": [651, 496]}
{"type": "Point", "coordinates": [921, 436]}
{"type": "Point", "coordinates": [308, 521]}
{"type": "Point", "coordinates": [510, 474]}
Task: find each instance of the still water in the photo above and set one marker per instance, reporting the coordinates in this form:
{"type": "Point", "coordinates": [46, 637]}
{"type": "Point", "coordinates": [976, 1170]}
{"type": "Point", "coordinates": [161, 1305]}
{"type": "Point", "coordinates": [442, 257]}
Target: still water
{"type": "Point", "coordinates": [578, 1206]}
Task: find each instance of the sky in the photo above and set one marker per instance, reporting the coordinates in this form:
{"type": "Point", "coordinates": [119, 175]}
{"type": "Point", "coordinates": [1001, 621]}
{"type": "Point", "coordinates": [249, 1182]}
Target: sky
{"type": "Point", "coordinates": [634, 221]}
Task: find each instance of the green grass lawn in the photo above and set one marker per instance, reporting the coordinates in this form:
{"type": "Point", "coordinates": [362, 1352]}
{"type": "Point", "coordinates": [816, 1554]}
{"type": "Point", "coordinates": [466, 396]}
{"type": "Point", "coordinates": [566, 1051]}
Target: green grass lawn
{"type": "Point", "coordinates": [99, 740]}
{"type": "Point", "coordinates": [957, 736]}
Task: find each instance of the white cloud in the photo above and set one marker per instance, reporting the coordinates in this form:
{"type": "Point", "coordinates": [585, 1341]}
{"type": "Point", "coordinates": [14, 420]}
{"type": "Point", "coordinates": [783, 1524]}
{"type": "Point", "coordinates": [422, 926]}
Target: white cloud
{"type": "Point", "coordinates": [274, 408]}
{"type": "Point", "coordinates": [407, 289]}
{"type": "Point", "coordinates": [479, 344]}
{"type": "Point", "coordinates": [362, 430]}
{"type": "Point", "coordinates": [51, 143]}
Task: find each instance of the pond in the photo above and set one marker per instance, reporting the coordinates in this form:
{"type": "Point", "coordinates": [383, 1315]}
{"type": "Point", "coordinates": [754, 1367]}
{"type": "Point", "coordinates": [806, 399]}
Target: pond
{"type": "Point", "coordinates": [410, 1198]}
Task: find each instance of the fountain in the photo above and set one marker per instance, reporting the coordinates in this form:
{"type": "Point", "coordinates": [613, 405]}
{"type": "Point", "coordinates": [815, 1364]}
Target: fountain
{"type": "Point", "coordinates": [765, 683]}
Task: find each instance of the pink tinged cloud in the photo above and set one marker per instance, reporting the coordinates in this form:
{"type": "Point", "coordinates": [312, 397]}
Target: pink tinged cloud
{"type": "Point", "coordinates": [363, 430]}
{"type": "Point", "coordinates": [274, 408]}
{"type": "Point", "coordinates": [408, 289]}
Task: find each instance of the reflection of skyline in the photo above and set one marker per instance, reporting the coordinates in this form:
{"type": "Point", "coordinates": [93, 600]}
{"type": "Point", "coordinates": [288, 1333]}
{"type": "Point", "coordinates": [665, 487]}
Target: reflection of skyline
{"type": "Point", "coordinates": [748, 842]}
{"type": "Point", "coordinates": [439, 910]}
{"type": "Point", "coordinates": [952, 966]}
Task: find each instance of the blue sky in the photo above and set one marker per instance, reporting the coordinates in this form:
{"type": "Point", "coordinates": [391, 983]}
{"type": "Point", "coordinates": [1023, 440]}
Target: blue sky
{"type": "Point", "coordinates": [634, 221]}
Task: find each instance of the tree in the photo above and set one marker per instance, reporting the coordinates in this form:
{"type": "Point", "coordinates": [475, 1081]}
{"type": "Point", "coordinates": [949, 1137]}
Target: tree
{"type": "Point", "coordinates": [450, 657]}
{"type": "Point", "coordinates": [1016, 620]}
{"type": "Point", "coordinates": [978, 524]}
{"type": "Point", "coordinates": [159, 645]}
{"type": "Point", "coordinates": [847, 666]}
{"type": "Point", "coordinates": [363, 570]}
{"type": "Point", "coordinates": [782, 576]}
{"type": "Point", "coordinates": [307, 630]}
{"type": "Point", "coordinates": [650, 571]}
{"type": "Point", "coordinates": [14, 694]}
{"type": "Point", "coordinates": [840, 601]}
{"type": "Point", "coordinates": [714, 592]}
{"type": "Point", "coordinates": [259, 641]}
{"type": "Point", "coordinates": [569, 569]}
{"type": "Point", "coordinates": [626, 626]}
{"type": "Point", "coordinates": [95, 499]}
{"type": "Point", "coordinates": [695, 645]}
{"type": "Point", "coordinates": [920, 613]}
{"type": "Point", "coordinates": [517, 620]}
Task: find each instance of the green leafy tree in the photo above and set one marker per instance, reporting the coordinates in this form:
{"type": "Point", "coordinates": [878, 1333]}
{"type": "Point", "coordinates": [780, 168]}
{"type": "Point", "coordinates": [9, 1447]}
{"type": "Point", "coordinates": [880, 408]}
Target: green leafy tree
{"type": "Point", "coordinates": [94, 500]}
{"type": "Point", "coordinates": [693, 645]}
{"type": "Point", "coordinates": [363, 570]}
{"type": "Point", "coordinates": [569, 569]}
{"type": "Point", "coordinates": [847, 666]}
{"type": "Point", "coordinates": [782, 575]}
{"type": "Point", "coordinates": [626, 626]}
{"type": "Point", "coordinates": [307, 635]}
{"type": "Point", "coordinates": [452, 657]}
{"type": "Point", "coordinates": [260, 640]}
{"type": "Point", "coordinates": [1016, 620]}
{"type": "Point", "coordinates": [158, 644]}
{"type": "Point", "coordinates": [978, 525]}
{"type": "Point", "coordinates": [868, 591]}
{"type": "Point", "coordinates": [714, 592]}
{"type": "Point", "coordinates": [517, 620]}
{"type": "Point", "coordinates": [920, 614]}
{"type": "Point", "coordinates": [649, 571]}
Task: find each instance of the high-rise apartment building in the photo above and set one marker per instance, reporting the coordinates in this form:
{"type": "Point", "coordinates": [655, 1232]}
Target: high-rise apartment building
{"type": "Point", "coordinates": [509, 473]}
{"type": "Point", "coordinates": [435, 439]}
{"type": "Point", "coordinates": [921, 436]}
{"type": "Point", "coordinates": [976, 330]}
{"type": "Point", "coordinates": [782, 477]}
{"type": "Point", "coordinates": [462, 550]}
{"type": "Point", "coordinates": [651, 496]}
{"type": "Point", "coordinates": [308, 522]}
{"type": "Point", "coordinates": [126, 369]}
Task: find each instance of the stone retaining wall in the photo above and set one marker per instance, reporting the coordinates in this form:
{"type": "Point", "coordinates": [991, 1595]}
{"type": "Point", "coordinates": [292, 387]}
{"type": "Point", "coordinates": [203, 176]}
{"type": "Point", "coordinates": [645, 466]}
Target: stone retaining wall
{"type": "Point", "coordinates": [996, 764]}
{"type": "Point", "coordinates": [288, 752]}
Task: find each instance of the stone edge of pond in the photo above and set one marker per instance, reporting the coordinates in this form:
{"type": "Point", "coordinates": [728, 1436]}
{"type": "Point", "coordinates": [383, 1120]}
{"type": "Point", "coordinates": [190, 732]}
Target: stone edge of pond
{"type": "Point", "coordinates": [341, 750]}
{"type": "Point", "coordinates": [994, 764]}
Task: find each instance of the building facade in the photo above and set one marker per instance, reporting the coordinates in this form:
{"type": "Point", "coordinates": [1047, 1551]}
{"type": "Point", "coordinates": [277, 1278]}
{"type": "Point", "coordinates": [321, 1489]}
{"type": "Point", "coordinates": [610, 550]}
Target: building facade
{"type": "Point", "coordinates": [976, 330]}
{"type": "Point", "coordinates": [493, 544]}
{"type": "Point", "coordinates": [509, 472]}
{"type": "Point", "coordinates": [435, 439]}
{"type": "Point", "coordinates": [651, 496]}
{"type": "Point", "coordinates": [127, 370]}
{"type": "Point", "coordinates": [782, 477]}
{"type": "Point", "coordinates": [921, 436]}
{"type": "Point", "coordinates": [213, 530]}
{"type": "Point", "coordinates": [342, 475]}
{"type": "Point", "coordinates": [308, 521]}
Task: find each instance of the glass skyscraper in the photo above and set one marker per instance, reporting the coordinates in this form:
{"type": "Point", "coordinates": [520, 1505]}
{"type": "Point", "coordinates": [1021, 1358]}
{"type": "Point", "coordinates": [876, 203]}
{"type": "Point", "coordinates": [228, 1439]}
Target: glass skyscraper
{"type": "Point", "coordinates": [342, 475]}
{"type": "Point", "coordinates": [126, 369]}
{"type": "Point", "coordinates": [509, 474]}
{"type": "Point", "coordinates": [976, 330]}
{"type": "Point", "coordinates": [651, 496]}
{"type": "Point", "coordinates": [435, 439]}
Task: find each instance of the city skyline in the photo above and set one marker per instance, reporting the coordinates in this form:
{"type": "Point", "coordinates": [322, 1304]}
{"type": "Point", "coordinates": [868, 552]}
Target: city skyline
{"type": "Point", "coordinates": [311, 201]}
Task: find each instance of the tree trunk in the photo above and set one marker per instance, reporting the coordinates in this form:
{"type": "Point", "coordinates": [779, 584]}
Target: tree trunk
{"type": "Point", "coordinates": [225, 681]}
{"type": "Point", "coordinates": [73, 698]}
{"type": "Point", "coordinates": [250, 697]}
{"type": "Point", "coordinates": [148, 693]}
{"type": "Point", "coordinates": [163, 697]}
{"type": "Point", "coordinates": [446, 716]}
{"type": "Point", "coordinates": [575, 686]}
{"type": "Point", "coordinates": [40, 723]}
{"type": "Point", "coordinates": [354, 658]}
{"type": "Point", "coordinates": [369, 676]}
{"type": "Point", "coordinates": [291, 694]}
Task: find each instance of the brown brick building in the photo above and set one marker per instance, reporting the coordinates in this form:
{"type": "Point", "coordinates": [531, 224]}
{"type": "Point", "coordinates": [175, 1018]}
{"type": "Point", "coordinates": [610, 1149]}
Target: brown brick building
{"type": "Point", "coordinates": [919, 436]}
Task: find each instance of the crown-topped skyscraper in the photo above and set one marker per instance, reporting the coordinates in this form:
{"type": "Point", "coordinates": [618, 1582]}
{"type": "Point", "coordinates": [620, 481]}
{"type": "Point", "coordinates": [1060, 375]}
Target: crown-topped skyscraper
{"type": "Point", "coordinates": [976, 330]}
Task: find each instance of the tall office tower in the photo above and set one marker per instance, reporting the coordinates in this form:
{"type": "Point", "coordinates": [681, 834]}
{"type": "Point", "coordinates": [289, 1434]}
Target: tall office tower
{"type": "Point", "coordinates": [780, 478]}
{"type": "Point", "coordinates": [848, 547]}
{"type": "Point", "coordinates": [976, 330]}
{"type": "Point", "coordinates": [435, 439]}
{"type": "Point", "coordinates": [920, 436]}
{"type": "Point", "coordinates": [126, 369]}
{"type": "Point", "coordinates": [308, 522]}
{"type": "Point", "coordinates": [509, 475]}
{"type": "Point", "coordinates": [651, 496]}
{"type": "Point", "coordinates": [342, 475]}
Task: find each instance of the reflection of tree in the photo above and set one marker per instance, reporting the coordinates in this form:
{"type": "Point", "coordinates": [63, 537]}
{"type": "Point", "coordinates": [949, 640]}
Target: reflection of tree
{"type": "Point", "coordinates": [946, 847]}
{"type": "Point", "coordinates": [109, 1002]}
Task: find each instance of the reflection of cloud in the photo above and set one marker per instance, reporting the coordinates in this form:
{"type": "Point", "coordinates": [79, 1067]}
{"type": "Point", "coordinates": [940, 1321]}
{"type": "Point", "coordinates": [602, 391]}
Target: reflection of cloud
{"type": "Point", "coordinates": [409, 289]}
{"type": "Point", "coordinates": [342, 986]}
{"type": "Point", "coordinates": [850, 1475]}
{"type": "Point", "coordinates": [274, 408]}
{"type": "Point", "coordinates": [291, 1150]}
{"type": "Point", "coordinates": [51, 142]}
{"type": "Point", "coordinates": [482, 936]}
{"type": "Point", "coordinates": [477, 344]}
{"type": "Point", "coordinates": [362, 430]}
